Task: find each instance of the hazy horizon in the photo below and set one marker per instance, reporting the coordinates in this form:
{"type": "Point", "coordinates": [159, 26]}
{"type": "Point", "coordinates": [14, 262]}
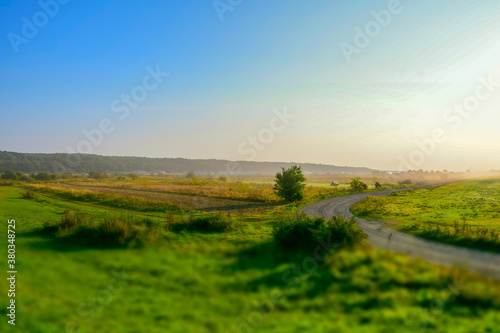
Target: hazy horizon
{"type": "Point", "coordinates": [383, 102]}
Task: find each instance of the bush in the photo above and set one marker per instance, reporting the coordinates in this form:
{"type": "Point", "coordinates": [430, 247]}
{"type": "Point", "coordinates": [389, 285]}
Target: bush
{"type": "Point", "coordinates": [69, 221]}
{"type": "Point", "coordinates": [24, 178]}
{"type": "Point", "coordinates": [9, 175]}
{"type": "Point", "coordinates": [405, 182]}
{"type": "Point", "coordinates": [97, 175]}
{"type": "Point", "coordinates": [29, 195]}
{"type": "Point", "coordinates": [305, 232]}
{"type": "Point", "coordinates": [213, 223]}
{"type": "Point", "coordinates": [44, 176]}
{"type": "Point", "coordinates": [358, 185]}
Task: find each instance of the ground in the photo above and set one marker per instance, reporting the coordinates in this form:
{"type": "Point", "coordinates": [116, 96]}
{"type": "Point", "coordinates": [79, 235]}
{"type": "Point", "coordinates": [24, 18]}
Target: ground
{"type": "Point", "coordinates": [236, 281]}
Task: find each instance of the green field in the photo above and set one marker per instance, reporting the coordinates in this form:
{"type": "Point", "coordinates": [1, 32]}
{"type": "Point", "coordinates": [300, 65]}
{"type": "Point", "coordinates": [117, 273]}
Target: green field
{"type": "Point", "coordinates": [236, 281]}
{"type": "Point", "coordinates": [465, 213]}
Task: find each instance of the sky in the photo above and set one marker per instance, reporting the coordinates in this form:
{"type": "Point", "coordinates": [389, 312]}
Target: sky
{"type": "Point", "coordinates": [382, 84]}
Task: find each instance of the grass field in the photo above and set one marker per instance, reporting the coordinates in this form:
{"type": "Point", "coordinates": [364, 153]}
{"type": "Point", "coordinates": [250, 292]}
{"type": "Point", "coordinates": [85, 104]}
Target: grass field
{"type": "Point", "coordinates": [233, 281]}
{"type": "Point", "coordinates": [464, 213]}
{"type": "Point", "coordinates": [246, 188]}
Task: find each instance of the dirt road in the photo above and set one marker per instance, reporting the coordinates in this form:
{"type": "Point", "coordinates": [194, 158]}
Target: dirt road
{"type": "Point", "coordinates": [484, 263]}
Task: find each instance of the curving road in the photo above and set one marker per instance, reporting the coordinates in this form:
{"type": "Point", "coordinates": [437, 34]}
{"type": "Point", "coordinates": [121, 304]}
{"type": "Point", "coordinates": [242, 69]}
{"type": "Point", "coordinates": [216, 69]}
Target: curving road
{"type": "Point", "coordinates": [484, 263]}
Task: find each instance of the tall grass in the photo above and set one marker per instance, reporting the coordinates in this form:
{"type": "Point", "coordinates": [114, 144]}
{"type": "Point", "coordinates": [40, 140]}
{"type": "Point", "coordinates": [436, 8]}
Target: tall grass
{"type": "Point", "coordinates": [112, 231]}
{"type": "Point", "coordinates": [371, 206]}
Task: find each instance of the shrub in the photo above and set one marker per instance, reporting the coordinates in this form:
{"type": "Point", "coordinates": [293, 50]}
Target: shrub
{"type": "Point", "coordinates": [305, 232]}
{"type": "Point", "coordinates": [9, 175]}
{"type": "Point", "coordinates": [191, 175]}
{"type": "Point", "coordinates": [29, 195]}
{"type": "Point", "coordinates": [44, 176]}
{"type": "Point", "coordinates": [69, 221]}
{"type": "Point", "coordinates": [358, 185]}
{"type": "Point", "coordinates": [97, 175]}
{"type": "Point", "coordinates": [212, 223]}
{"type": "Point", "coordinates": [405, 182]}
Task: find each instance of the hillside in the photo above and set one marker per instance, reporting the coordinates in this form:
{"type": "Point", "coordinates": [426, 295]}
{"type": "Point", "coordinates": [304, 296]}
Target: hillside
{"type": "Point", "coordinates": [82, 163]}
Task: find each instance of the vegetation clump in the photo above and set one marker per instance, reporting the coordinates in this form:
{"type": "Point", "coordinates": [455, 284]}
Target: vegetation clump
{"type": "Point", "coordinates": [97, 175]}
{"type": "Point", "coordinates": [212, 223]}
{"type": "Point", "coordinates": [9, 175]}
{"type": "Point", "coordinates": [358, 185]}
{"type": "Point", "coordinates": [306, 232]}
{"type": "Point", "coordinates": [111, 231]}
{"type": "Point", "coordinates": [29, 195]}
{"type": "Point", "coordinates": [372, 207]}
{"type": "Point", "coordinates": [44, 176]}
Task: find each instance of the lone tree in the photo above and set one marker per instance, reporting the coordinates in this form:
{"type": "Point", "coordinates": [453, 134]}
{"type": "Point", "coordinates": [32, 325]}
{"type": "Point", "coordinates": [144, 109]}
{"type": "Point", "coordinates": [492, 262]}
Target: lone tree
{"type": "Point", "coordinates": [378, 186]}
{"type": "Point", "coordinates": [358, 185]}
{"type": "Point", "coordinates": [289, 183]}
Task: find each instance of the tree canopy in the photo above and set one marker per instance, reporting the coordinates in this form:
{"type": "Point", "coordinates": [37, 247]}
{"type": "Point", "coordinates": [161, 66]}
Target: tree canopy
{"type": "Point", "coordinates": [289, 183]}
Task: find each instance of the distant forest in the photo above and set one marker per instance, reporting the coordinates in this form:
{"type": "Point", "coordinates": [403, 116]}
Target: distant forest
{"type": "Point", "coordinates": [84, 163]}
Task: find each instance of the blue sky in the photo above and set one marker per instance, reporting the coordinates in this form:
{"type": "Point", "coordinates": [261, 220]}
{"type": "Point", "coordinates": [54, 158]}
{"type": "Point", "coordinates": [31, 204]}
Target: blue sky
{"type": "Point", "coordinates": [227, 76]}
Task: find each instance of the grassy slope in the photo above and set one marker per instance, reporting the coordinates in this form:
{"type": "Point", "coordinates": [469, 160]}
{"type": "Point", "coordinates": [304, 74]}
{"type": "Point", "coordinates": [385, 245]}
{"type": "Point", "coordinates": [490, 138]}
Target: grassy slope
{"type": "Point", "coordinates": [464, 214]}
{"type": "Point", "coordinates": [205, 282]}
{"type": "Point", "coordinates": [477, 200]}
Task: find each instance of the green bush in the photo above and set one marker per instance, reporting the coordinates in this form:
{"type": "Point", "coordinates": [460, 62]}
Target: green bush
{"type": "Point", "coordinates": [304, 232]}
{"type": "Point", "coordinates": [212, 223]}
{"type": "Point", "coordinates": [97, 175]}
{"type": "Point", "coordinates": [358, 185]}
{"type": "Point", "coordinates": [9, 175]}
{"type": "Point", "coordinates": [29, 195]}
{"type": "Point", "coordinates": [44, 176]}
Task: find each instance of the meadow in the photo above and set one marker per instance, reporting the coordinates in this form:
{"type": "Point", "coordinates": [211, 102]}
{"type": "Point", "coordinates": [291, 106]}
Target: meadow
{"type": "Point", "coordinates": [112, 264]}
{"type": "Point", "coordinates": [464, 213]}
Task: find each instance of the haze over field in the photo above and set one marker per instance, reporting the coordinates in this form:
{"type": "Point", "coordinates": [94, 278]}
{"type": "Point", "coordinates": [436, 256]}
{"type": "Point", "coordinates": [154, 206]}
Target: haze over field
{"type": "Point", "coordinates": [384, 85]}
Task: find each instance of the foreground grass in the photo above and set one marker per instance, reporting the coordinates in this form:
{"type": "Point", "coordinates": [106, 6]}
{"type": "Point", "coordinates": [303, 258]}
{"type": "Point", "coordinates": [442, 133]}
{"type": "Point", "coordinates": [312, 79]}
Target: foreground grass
{"type": "Point", "coordinates": [239, 280]}
{"type": "Point", "coordinates": [465, 213]}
